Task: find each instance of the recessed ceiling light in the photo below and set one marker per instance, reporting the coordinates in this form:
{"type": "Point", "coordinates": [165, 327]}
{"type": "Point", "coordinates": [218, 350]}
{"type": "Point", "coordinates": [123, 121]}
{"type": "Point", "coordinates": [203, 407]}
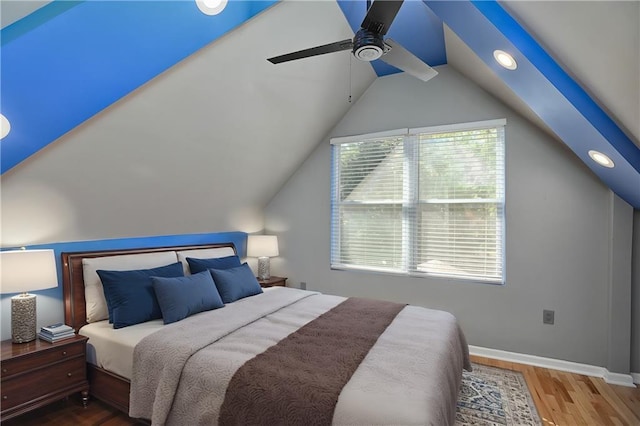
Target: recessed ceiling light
{"type": "Point", "coordinates": [211, 7]}
{"type": "Point", "coordinates": [5, 126]}
{"type": "Point", "coordinates": [505, 59]}
{"type": "Point", "coordinates": [601, 159]}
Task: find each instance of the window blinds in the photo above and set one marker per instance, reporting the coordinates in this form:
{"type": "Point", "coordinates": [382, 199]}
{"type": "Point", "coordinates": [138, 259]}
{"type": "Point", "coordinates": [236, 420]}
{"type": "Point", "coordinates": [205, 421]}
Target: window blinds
{"type": "Point", "coordinates": [421, 201]}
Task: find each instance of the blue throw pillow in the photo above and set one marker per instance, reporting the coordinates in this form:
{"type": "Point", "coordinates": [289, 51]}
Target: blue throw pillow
{"type": "Point", "coordinates": [130, 296]}
{"type": "Point", "coordinates": [199, 265]}
{"type": "Point", "coordinates": [184, 296]}
{"type": "Point", "coordinates": [235, 283]}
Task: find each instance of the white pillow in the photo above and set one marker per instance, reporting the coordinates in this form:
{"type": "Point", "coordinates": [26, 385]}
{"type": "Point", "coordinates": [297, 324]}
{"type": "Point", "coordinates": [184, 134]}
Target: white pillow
{"type": "Point", "coordinates": [93, 292]}
{"type": "Point", "coordinates": [202, 254]}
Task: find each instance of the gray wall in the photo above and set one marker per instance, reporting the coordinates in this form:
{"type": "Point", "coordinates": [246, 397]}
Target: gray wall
{"type": "Point", "coordinates": [635, 295]}
{"type": "Point", "coordinates": [558, 226]}
{"type": "Point", "coordinates": [620, 251]}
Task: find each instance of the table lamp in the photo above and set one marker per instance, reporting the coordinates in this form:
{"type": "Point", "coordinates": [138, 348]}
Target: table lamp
{"type": "Point", "coordinates": [263, 247]}
{"type": "Point", "coordinates": [23, 271]}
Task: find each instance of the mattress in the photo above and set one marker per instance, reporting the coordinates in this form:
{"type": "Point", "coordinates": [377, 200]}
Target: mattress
{"type": "Point", "coordinates": [112, 349]}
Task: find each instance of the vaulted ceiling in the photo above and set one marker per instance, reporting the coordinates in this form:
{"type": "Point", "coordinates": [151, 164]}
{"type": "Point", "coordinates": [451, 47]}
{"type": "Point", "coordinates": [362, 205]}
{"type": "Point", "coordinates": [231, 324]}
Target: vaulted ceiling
{"type": "Point", "coordinates": [577, 75]}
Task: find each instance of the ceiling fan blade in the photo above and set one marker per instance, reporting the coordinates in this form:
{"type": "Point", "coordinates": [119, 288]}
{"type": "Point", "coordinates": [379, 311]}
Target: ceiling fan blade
{"type": "Point", "coordinates": [406, 61]}
{"type": "Point", "coordinates": [380, 15]}
{"type": "Point", "coordinates": [319, 50]}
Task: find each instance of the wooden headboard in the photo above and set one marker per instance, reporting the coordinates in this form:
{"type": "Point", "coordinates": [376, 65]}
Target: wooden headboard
{"type": "Point", "coordinates": [75, 310]}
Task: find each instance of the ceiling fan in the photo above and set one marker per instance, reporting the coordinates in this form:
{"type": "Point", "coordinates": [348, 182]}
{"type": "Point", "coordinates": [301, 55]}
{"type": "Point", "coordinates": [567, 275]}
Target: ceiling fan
{"type": "Point", "coordinates": [369, 43]}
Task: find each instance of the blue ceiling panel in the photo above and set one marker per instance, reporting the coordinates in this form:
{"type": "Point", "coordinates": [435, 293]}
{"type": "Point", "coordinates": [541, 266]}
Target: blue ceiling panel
{"type": "Point", "coordinates": [68, 61]}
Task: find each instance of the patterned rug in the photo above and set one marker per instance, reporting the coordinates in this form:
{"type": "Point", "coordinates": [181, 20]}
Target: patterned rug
{"type": "Point", "coordinates": [493, 396]}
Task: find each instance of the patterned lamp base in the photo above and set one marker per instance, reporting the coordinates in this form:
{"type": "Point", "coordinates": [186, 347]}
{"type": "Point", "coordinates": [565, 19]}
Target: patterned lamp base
{"type": "Point", "coordinates": [264, 267]}
{"type": "Point", "coordinates": [23, 318]}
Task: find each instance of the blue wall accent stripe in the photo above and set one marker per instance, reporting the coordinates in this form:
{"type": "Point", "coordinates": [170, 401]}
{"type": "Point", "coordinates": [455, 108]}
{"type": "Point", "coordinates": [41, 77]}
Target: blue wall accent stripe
{"type": "Point", "coordinates": [239, 239]}
{"type": "Point", "coordinates": [76, 62]}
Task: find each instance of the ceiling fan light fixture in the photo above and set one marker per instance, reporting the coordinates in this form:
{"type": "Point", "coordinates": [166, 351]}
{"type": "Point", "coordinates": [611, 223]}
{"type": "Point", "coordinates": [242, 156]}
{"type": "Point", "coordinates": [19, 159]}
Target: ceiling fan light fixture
{"type": "Point", "coordinates": [368, 46]}
{"type": "Point", "coordinates": [211, 7]}
{"type": "Point", "coordinates": [505, 59]}
{"type": "Point", "coordinates": [368, 53]}
{"type": "Point", "coordinates": [5, 126]}
{"type": "Point", "coordinates": [601, 159]}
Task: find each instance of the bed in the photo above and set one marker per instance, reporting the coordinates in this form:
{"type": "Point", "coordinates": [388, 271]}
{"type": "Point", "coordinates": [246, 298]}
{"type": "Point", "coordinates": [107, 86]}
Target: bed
{"type": "Point", "coordinates": [228, 365]}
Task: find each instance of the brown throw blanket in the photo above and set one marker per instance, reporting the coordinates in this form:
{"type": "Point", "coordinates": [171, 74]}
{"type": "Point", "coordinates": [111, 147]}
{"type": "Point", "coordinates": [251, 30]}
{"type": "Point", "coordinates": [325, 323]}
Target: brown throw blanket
{"type": "Point", "coordinates": [298, 381]}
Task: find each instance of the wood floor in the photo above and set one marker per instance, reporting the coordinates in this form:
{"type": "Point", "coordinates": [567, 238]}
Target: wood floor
{"type": "Point", "coordinates": [572, 399]}
{"type": "Point", "coordinates": [561, 399]}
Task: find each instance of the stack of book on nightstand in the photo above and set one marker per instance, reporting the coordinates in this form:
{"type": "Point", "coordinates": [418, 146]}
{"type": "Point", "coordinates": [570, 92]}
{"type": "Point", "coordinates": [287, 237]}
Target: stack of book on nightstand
{"type": "Point", "coordinates": [56, 332]}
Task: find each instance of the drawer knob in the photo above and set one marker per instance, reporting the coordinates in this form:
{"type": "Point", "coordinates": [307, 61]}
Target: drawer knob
{"type": "Point", "coordinates": [68, 374]}
{"type": "Point", "coordinates": [5, 397]}
{"type": "Point", "coordinates": [4, 370]}
{"type": "Point", "coordinates": [64, 353]}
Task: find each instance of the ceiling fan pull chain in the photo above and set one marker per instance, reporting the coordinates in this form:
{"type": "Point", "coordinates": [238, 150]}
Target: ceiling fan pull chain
{"type": "Point", "coordinates": [350, 56]}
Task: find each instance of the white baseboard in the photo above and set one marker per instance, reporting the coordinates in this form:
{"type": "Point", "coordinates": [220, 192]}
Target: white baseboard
{"type": "Point", "coordinates": [558, 364]}
{"type": "Point", "coordinates": [618, 379]}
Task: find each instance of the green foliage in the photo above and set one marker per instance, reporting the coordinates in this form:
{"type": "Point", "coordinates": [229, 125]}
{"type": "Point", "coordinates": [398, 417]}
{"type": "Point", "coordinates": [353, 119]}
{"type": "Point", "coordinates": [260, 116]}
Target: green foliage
{"type": "Point", "coordinates": [459, 165]}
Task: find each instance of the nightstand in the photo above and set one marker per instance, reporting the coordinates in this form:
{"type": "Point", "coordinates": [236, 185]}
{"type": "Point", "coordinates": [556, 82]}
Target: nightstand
{"type": "Point", "coordinates": [273, 281]}
{"type": "Point", "coordinates": [37, 373]}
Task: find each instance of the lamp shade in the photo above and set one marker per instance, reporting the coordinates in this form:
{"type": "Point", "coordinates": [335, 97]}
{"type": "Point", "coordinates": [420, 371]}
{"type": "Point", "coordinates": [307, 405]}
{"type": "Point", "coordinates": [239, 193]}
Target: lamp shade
{"type": "Point", "coordinates": [262, 246]}
{"type": "Point", "coordinates": [27, 270]}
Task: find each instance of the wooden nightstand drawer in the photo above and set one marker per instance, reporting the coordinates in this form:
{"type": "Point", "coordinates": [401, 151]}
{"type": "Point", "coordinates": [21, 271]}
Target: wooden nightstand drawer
{"type": "Point", "coordinates": [40, 382]}
{"type": "Point", "coordinates": [273, 282]}
{"type": "Point", "coordinates": [37, 373]}
{"type": "Point", "coordinates": [28, 362]}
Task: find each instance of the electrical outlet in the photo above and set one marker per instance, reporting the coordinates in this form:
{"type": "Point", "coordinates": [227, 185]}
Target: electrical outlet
{"type": "Point", "coordinates": [303, 285]}
{"type": "Point", "coordinates": [548, 316]}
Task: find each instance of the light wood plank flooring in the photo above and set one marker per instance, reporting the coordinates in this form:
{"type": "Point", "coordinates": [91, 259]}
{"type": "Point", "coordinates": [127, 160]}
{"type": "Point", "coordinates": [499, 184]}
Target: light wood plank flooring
{"type": "Point", "coordinates": [561, 399]}
{"type": "Point", "coordinates": [572, 399]}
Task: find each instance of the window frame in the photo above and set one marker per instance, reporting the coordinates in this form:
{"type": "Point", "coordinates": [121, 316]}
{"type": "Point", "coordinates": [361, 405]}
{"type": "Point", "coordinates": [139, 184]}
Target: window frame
{"type": "Point", "coordinates": [411, 203]}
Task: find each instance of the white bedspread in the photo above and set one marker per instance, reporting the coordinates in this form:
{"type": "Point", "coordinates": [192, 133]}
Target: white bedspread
{"type": "Point", "coordinates": [411, 375]}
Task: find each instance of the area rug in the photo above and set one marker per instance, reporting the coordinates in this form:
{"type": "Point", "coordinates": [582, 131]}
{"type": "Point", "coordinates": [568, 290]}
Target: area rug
{"type": "Point", "coordinates": [494, 396]}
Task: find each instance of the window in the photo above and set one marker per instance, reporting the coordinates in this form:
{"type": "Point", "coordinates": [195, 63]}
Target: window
{"type": "Point", "coordinates": [426, 201]}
